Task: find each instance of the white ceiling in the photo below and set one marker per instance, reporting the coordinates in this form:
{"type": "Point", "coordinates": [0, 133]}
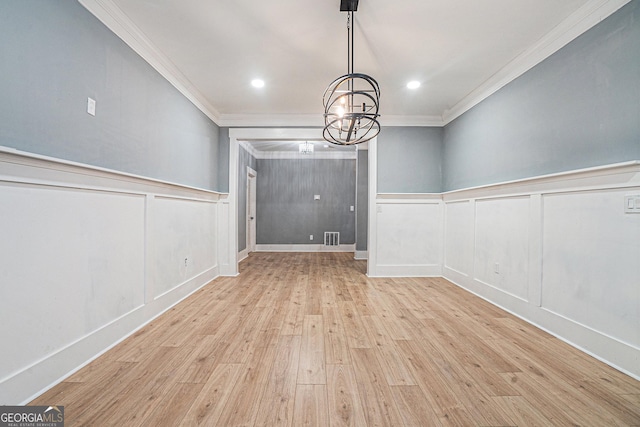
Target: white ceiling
{"type": "Point", "coordinates": [460, 50]}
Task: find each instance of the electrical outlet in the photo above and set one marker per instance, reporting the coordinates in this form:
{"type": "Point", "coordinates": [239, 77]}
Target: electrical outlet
{"type": "Point", "coordinates": [496, 268]}
{"type": "Point", "coordinates": [310, 236]}
{"type": "Point", "coordinates": [185, 262]}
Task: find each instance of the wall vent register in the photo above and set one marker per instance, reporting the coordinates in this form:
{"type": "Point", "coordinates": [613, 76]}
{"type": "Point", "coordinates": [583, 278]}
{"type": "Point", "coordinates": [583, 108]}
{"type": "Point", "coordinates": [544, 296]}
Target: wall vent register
{"type": "Point", "coordinates": [332, 238]}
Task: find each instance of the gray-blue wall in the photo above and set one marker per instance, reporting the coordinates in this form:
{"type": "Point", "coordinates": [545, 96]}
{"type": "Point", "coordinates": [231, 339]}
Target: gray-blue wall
{"type": "Point", "coordinates": [409, 160]}
{"type": "Point", "coordinates": [223, 159]}
{"type": "Point", "coordinates": [286, 210]}
{"type": "Point", "coordinates": [53, 56]}
{"type": "Point", "coordinates": [579, 108]}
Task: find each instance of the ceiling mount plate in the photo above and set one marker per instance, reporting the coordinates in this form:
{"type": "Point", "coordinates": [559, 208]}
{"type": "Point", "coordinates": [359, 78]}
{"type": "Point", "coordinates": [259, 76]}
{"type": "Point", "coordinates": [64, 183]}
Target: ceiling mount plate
{"type": "Point", "coordinates": [349, 5]}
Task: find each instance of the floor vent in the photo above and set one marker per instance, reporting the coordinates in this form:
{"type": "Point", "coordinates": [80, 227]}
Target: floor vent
{"type": "Point", "coordinates": [332, 238]}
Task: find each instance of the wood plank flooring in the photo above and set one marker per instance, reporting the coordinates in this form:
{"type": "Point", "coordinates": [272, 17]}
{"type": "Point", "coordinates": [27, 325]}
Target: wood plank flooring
{"type": "Point", "coordinates": [309, 340]}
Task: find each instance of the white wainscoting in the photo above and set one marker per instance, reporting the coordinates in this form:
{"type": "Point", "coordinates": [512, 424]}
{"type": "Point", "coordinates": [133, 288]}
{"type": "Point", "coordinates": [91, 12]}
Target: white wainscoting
{"type": "Point", "coordinates": [408, 235]}
{"type": "Point", "coordinates": [558, 251]}
{"type": "Point", "coordinates": [88, 256]}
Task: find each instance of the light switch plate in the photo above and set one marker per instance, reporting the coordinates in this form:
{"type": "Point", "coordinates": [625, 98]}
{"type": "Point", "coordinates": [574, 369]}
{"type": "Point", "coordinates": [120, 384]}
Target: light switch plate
{"type": "Point", "coordinates": [91, 106]}
{"type": "Point", "coordinates": [632, 204]}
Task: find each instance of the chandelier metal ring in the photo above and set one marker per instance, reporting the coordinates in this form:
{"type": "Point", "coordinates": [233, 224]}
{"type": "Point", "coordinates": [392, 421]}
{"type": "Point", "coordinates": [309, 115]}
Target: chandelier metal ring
{"type": "Point", "coordinates": [352, 101]}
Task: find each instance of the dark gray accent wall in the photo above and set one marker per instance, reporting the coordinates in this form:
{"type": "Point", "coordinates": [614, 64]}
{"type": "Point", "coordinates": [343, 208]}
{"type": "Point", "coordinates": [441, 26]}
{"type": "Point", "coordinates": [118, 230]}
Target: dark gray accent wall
{"type": "Point", "coordinates": [362, 207]}
{"type": "Point", "coordinates": [286, 210]}
{"type": "Point", "coordinates": [53, 56]}
{"type": "Point", "coordinates": [244, 160]}
{"type": "Point", "coordinates": [579, 108]}
{"type": "Point", "coordinates": [409, 160]}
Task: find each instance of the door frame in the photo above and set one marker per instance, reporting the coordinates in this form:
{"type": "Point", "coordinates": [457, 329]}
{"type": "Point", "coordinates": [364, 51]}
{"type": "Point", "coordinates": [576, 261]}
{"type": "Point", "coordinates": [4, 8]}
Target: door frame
{"type": "Point", "coordinates": [252, 176]}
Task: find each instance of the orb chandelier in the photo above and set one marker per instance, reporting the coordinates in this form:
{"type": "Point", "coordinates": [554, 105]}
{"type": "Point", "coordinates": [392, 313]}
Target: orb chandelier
{"type": "Point", "coordinates": [352, 101]}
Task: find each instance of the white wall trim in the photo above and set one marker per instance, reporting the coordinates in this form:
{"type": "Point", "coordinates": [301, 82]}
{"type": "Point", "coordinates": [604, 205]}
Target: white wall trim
{"type": "Point", "coordinates": [409, 270]}
{"type": "Point", "coordinates": [372, 224]}
{"type": "Point", "coordinates": [293, 155]}
{"type": "Point", "coordinates": [229, 261]}
{"type": "Point", "coordinates": [243, 254]}
{"type": "Point", "coordinates": [148, 204]}
{"type": "Point", "coordinates": [361, 255]}
{"type": "Point", "coordinates": [305, 248]}
{"type": "Point", "coordinates": [315, 120]}
{"type": "Point", "coordinates": [618, 175]}
{"type": "Point", "coordinates": [21, 166]}
{"type": "Point", "coordinates": [271, 120]}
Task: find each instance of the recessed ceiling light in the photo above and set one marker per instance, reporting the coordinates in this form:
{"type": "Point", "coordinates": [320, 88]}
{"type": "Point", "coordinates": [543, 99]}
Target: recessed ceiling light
{"type": "Point", "coordinates": [257, 83]}
{"type": "Point", "coordinates": [413, 84]}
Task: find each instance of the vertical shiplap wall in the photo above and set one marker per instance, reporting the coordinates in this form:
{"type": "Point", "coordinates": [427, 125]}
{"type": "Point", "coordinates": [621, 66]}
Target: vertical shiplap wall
{"type": "Point", "coordinates": [55, 55]}
{"type": "Point", "coordinates": [578, 108]}
{"type": "Point", "coordinates": [286, 210]}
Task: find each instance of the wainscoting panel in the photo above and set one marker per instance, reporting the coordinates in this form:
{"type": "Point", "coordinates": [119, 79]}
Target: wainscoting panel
{"type": "Point", "coordinates": [591, 262]}
{"type": "Point", "coordinates": [184, 230]}
{"type": "Point", "coordinates": [58, 284]}
{"type": "Point", "coordinates": [501, 252]}
{"type": "Point", "coordinates": [458, 232]}
{"type": "Point", "coordinates": [409, 238]}
{"type": "Point", "coordinates": [87, 257]}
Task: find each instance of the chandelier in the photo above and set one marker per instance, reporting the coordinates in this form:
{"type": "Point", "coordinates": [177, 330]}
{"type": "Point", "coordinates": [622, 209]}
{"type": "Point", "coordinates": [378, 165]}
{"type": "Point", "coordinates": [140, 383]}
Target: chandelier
{"type": "Point", "coordinates": [305, 147]}
{"type": "Point", "coordinates": [352, 101]}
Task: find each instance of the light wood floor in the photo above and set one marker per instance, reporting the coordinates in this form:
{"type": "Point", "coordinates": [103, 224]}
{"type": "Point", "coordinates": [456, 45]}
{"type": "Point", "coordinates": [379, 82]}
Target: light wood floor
{"type": "Point", "coordinates": [308, 339]}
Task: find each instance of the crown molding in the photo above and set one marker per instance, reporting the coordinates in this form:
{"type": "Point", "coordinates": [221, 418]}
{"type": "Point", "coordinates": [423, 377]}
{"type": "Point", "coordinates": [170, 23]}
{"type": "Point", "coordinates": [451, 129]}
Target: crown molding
{"type": "Point", "coordinates": [289, 155]}
{"type": "Point", "coordinates": [576, 24]}
{"type": "Point", "coordinates": [119, 23]}
{"type": "Point", "coordinates": [286, 120]}
{"type": "Point", "coordinates": [318, 155]}
{"type": "Point", "coordinates": [423, 121]}
{"type": "Point", "coordinates": [271, 120]}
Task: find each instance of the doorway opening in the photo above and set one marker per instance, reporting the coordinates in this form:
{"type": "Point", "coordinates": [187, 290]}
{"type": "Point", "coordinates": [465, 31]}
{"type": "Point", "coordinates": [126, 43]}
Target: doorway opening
{"type": "Point", "coordinates": [251, 210]}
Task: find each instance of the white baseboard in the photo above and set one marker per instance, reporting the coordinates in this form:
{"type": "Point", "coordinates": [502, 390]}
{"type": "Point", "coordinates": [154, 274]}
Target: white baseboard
{"type": "Point", "coordinates": [361, 255]}
{"type": "Point", "coordinates": [428, 270]}
{"type": "Point", "coordinates": [46, 373]}
{"type": "Point", "coordinates": [243, 254]}
{"type": "Point", "coordinates": [305, 248]}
